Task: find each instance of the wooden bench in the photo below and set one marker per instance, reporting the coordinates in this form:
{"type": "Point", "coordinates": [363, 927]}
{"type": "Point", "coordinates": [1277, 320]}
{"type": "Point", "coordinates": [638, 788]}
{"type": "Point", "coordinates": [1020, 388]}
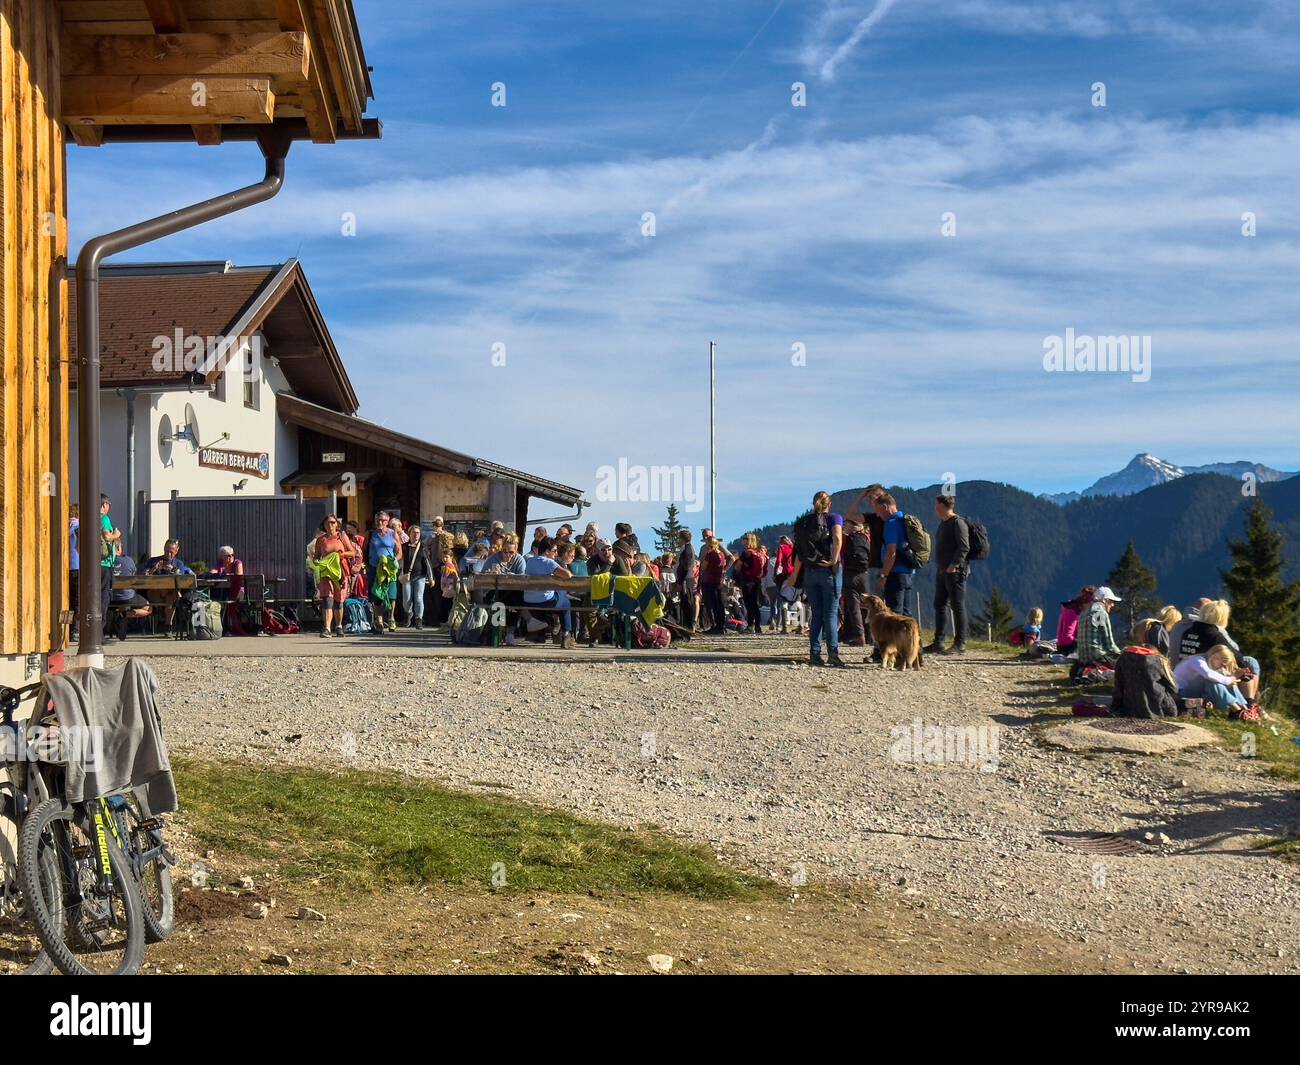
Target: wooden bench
{"type": "Point", "coordinates": [620, 629]}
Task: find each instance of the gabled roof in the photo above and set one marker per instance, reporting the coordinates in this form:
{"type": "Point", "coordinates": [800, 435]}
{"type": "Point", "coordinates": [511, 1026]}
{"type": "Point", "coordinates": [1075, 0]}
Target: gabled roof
{"type": "Point", "coordinates": [141, 302]}
{"type": "Point", "coordinates": [297, 411]}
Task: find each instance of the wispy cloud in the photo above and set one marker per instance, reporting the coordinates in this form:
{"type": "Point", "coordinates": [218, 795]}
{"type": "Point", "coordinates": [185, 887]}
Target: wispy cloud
{"type": "Point", "coordinates": [846, 48]}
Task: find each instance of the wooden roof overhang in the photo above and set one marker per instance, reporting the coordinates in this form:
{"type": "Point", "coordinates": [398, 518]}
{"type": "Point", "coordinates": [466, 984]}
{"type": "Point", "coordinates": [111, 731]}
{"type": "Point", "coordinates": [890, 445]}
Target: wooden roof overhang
{"type": "Point", "coordinates": [348, 427]}
{"type": "Point", "coordinates": [141, 70]}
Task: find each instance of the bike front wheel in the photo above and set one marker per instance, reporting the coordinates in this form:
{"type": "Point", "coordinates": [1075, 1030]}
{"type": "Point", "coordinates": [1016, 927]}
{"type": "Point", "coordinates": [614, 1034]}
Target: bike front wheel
{"type": "Point", "coordinates": [89, 926]}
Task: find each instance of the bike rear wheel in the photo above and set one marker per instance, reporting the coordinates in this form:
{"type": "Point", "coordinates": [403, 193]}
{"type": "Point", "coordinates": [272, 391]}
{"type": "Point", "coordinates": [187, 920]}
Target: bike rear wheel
{"type": "Point", "coordinates": [86, 931]}
{"type": "Point", "coordinates": [144, 839]}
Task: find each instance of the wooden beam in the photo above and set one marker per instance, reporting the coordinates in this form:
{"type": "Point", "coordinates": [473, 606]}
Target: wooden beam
{"type": "Point", "coordinates": [86, 135]}
{"type": "Point", "coordinates": [283, 57]}
{"type": "Point", "coordinates": [317, 107]}
{"type": "Point", "coordinates": [208, 136]}
{"type": "Point", "coordinates": [166, 101]}
{"type": "Point", "coordinates": [289, 14]}
{"type": "Point", "coordinates": [167, 16]}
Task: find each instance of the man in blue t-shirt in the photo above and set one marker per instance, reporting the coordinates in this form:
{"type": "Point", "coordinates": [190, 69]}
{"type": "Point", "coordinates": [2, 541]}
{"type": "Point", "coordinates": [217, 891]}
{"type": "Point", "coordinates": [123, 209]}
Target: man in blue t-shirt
{"type": "Point", "coordinates": [542, 563]}
{"type": "Point", "coordinates": [896, 565]}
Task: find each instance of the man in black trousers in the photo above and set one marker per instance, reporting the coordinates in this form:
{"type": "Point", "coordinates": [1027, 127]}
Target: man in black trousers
{"type": "Point", "coordinates": [951, 546]}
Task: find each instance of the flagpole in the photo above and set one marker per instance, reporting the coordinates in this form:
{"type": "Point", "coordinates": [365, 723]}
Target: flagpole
{"type": "Point", "coordinates": [713, 438]}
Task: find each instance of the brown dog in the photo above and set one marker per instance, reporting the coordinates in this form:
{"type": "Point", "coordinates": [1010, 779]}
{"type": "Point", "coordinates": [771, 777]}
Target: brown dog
{"type": "Point", "coordinates": [897, 635]}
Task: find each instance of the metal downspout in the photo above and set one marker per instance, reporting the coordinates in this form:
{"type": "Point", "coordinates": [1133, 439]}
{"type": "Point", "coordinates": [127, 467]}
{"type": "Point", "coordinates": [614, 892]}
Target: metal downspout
{"type": "Point", "coordinates": [275, 147]}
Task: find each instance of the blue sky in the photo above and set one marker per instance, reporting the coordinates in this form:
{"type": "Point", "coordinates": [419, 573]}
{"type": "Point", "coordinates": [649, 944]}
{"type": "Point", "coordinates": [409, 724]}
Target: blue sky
{"type": "Point", "coordinates": [778, 225]}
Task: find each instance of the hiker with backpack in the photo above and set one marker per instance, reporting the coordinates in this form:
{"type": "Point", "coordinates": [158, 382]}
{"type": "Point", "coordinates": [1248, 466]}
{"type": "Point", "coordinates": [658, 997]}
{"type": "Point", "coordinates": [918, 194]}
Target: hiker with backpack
{"type": "Point", "coordinates": [383, 563]}
{"type": "Point", "coordinates": [904, 539]}
{"type": "Point", "coordinates": [818, 541]}
{"type": "Point", "coordinates": [952, 545]}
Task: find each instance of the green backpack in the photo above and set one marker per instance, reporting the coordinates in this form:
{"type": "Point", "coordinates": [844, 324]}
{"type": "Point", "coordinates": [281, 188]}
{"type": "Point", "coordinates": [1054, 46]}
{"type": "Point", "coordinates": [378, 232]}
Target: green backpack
{"type": "Point", "coordinates": [918, 540]}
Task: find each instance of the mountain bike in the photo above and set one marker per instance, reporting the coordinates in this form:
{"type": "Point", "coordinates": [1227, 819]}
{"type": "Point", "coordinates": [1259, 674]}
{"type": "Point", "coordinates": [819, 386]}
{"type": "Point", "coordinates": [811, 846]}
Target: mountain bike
{"type": "Point", "coordinates": [79, 886]}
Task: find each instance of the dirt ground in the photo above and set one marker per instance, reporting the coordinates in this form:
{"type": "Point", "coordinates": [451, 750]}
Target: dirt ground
{"type": "Point", "coordinates": [910, 866]}
{"type": "Point", "coordinates": [844, 930]}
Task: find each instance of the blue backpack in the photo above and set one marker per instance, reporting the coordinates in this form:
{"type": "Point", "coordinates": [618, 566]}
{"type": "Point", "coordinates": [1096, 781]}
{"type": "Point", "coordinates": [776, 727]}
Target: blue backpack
{"type": "Point", "coordinates": [357, 619]}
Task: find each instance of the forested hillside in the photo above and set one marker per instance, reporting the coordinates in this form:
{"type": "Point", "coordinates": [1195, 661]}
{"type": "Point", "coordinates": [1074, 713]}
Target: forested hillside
{"type": "Point", "coordinates": [1042, 553]}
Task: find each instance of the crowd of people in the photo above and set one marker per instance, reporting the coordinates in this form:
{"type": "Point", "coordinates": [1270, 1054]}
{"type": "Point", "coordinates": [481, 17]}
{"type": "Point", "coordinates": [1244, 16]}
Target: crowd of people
{"type": "Point", "coordinates": [1173, 661]}
{"type": "Point", "coordinates": [812, 582]}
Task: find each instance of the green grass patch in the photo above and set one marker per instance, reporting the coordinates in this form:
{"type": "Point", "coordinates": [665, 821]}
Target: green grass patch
{"type": "Point", "coordinates": [363, 830]}
{"type": "Point", "coordinates": [1277, 751]}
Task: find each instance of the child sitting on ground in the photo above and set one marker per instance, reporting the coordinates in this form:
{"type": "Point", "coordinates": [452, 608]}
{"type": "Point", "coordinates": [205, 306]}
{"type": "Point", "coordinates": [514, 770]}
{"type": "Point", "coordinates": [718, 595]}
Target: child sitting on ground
{"type": "Point", "coordinates": [1032, 630]}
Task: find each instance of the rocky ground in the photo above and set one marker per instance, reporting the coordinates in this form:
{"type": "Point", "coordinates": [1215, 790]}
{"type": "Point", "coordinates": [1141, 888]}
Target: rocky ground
{"type": "Point", "coordinates": [796, 772]}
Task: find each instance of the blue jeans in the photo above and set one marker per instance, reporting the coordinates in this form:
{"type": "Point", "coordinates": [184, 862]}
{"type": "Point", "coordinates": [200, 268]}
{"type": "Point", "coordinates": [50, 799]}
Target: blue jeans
{"type": "Point", "coordinates": [559, 601]}
{"type": "Point", "coordinates": [897, 585]}
{"type": "Point", "coordinates": [1220, 696]}
{"type": "Point", "coordinates": [413, 599]}
{"type": "Point", "coordinates": [819, 583]}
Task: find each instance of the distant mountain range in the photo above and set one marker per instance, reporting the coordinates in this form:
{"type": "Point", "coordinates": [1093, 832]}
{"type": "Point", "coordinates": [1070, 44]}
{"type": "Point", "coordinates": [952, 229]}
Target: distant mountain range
{"type": "Point", "coordinates": [1042, 552]}
{"type": "Point", "coordinates": [1146, 471]}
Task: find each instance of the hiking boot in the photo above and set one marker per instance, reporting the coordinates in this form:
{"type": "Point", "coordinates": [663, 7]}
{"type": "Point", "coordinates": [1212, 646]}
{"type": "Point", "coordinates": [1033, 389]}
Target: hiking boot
{"type": "Point", "coordinates": [568, 641]}
{"type": "Point", "coordinates": [815, 660]}
{"type": "Point", "coordinates": [934, 647]}
{"type": "Point", "coordinates": [837, 662]}
{"type": "Point", "coordinates": [956, 649]}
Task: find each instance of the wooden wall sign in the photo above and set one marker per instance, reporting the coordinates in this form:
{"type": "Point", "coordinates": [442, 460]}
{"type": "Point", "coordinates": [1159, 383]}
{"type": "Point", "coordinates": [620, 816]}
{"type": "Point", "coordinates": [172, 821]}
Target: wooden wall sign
{"type": "Point", "coordinates": [258, 463]}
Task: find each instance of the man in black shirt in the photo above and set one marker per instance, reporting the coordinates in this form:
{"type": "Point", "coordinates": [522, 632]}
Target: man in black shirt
{"type": "Point", "coordinates": [951, 546]}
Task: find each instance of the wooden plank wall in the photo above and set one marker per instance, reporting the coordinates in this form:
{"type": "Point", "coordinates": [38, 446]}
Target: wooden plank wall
{"type": "Point", "coordinates": [33, 334]}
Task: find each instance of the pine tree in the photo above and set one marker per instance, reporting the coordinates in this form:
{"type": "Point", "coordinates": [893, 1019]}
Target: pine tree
{"type": "Point", "coordinates": [997, 616]}
{"type": "Point", "coordinates": [1132, 580]}
{"type": "Point", "coordinates": [666, 538]}
{"type": "Point", "coordinates": [1265, 609]}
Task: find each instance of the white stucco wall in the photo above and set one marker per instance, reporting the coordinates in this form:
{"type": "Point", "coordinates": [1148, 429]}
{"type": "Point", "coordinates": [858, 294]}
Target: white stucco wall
{"type": "Point", "coordinates": [160, 471]}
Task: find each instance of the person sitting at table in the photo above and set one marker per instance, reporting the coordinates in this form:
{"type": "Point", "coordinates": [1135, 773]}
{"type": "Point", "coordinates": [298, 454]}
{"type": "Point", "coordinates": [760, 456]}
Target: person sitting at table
{"type": "Point", "coordinates": [124, 603]}
{"type": "Point", "coordinates": [168, 564]}
{"type": "Point", "coordinates": [232, 569]}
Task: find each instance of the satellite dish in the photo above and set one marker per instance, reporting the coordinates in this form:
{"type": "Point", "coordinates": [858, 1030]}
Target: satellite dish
{"type": "Point", "coordinates": [165, 440]}
{"type": "Point", "coordinates": [191, 428]}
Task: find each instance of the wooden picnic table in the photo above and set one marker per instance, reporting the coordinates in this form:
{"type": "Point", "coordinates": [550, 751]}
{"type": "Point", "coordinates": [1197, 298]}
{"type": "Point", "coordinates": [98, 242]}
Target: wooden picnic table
{"type": "Point", "coordinates": [157, 582]}
{"type": "Point", "coordinates": [517, 582]}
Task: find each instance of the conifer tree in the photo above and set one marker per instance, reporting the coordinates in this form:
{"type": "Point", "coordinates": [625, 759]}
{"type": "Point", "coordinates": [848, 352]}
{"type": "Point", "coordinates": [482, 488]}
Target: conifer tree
{"type": "Point", "coordinates": [1265, 609]}
{"type": "Point", "coordinates": [666, 538]}
{"type": "Point", "coordinates": [1132, 580]}
{"type": "Point", "coordinates": [996, 616]}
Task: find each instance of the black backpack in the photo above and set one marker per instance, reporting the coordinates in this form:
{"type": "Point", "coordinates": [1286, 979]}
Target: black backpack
{"type": "Point", "coordinates": [856, 553]}
{"type": "Point", "coordinates": [978, 540]}
{"type": "Point", "coordinates": [812, 539]}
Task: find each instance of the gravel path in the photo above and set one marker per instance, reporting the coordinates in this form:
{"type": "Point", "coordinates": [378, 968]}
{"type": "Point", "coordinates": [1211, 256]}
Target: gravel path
{"type": "Point", "coordinates": [790, 769]}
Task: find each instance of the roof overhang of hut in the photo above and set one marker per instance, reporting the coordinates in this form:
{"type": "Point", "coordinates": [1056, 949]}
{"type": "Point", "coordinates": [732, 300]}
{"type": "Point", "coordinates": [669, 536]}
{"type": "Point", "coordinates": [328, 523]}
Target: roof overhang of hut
{"type": "Point", "coordinates": [203, 70]}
